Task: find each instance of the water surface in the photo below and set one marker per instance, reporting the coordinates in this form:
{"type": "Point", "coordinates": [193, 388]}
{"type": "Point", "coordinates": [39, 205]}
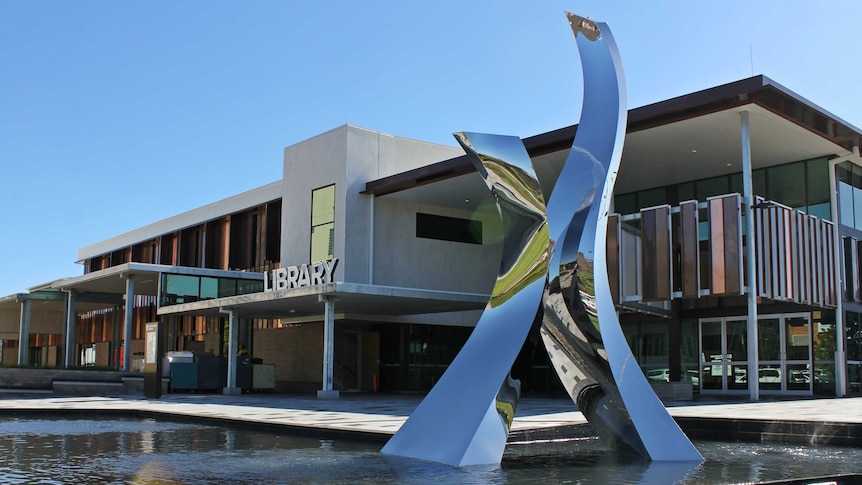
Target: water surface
{"type": "Point", "coordinates": [160, 452]}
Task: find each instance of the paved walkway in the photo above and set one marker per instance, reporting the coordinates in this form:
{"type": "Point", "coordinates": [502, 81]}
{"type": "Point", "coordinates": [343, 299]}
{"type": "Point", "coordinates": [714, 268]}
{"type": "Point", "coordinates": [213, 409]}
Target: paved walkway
{"type": "Point", "coordinates": [380, 415]}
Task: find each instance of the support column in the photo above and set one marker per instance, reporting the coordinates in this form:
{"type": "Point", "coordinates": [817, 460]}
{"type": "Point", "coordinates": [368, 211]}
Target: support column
{"type": "Point", "coordinates": [116, 325]}
{"type": "Point", "coordinates": [751, 268]}
{"type": "Point", "coordinates": [69, 349]}
{"type": "Point", "coordinates": [130, 317]}
{"type": "Point", "coordinates": [24, 334]}
{"type": "Point", "coordinates": [232, 343]}
{"type": "Point", "coordinates": [328, 348]}
{"type": "Point", "coordinates": [674, 342]}
{"type": "Point", "coordinates": [371, 240]}
{"type": "Point", "coordinates": [840, 326]}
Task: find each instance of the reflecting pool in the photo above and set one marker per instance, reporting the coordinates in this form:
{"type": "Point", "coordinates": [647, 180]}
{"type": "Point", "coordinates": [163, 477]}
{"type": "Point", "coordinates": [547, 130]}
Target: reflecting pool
{"type": "Point", "coordinates": [44, 450]}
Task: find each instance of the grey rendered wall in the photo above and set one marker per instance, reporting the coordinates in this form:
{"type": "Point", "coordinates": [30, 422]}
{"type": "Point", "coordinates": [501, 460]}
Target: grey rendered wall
{"type": "Point", "coordinates": [348, 156]}
{"type": "Point", "coordinates": [404, 260]}
{"type": "Point", "coordinates": [40, 321]}
{"type": "Point", "coordinates": [311, 164]}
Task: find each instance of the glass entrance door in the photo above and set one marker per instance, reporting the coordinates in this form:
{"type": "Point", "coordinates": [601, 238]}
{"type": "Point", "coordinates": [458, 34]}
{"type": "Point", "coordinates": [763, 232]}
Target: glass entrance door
{"type": "Point", "coordinates": [723, 355]}
{"type": "Point", "coordinates": [784, 354]}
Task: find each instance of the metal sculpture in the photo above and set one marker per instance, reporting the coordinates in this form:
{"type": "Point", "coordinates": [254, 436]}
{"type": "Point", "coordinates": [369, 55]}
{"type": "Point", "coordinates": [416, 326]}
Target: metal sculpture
{"type": "Point", "coordinates": [580, 329]}
{"type": "Point", "coordinates": [466, 417]}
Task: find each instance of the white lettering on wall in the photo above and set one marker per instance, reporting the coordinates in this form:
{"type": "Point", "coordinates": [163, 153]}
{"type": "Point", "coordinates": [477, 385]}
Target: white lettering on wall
{"type": "Point", "coordinates": [319, 273]}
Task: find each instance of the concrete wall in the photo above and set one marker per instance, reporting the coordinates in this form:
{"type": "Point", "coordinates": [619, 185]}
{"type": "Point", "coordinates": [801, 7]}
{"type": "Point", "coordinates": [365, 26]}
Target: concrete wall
{"type": "Point", "coordinates": [297, 353]}
{"type": "Point", "coordinates": [41, 321]}
{"type": "Point", "coordinates": [404, 260]}
{"type": "Point", "coordinates": [44, 378]}
{"type": "Point", "coordinates": [348, 157]}
{"type": "Point", "coordinates": [10, 356]}
{"type": "Point", "coordinates": [372, 155]}
{"type": "Point", "coordinates": [314, 163]}
{"type": "Point", "coordinates": [10, 320]}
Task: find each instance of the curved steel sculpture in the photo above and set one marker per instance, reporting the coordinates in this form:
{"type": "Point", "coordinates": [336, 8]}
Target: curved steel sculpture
{"type": "Point", "coordinates": [580, 329]}
{"type": "Point", "coordinates": [553, 264]}
{"type": "Point", "coordinates": [465, 419]}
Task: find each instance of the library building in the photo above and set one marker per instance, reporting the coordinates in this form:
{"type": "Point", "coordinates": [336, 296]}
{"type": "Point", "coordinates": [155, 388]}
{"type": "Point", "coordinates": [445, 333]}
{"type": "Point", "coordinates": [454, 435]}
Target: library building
{"type": "Point", "coordinates": [366, 267]}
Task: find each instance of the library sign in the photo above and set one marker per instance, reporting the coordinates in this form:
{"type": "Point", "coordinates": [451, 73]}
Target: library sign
{"type": "Point", "coordinates": [319, 273]}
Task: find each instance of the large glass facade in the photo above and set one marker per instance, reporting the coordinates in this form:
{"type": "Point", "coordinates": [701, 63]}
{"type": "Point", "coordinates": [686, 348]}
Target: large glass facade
{"type": "Point", "coordinates": [849, 194]}
{"type": "Point", "coordinates": [853, 342]}
{"type": "Point", "coordinates": [723, 354]}
{"type": "Point", "coordinates": [802, 185]}
{"type": "Point", "coordinates": [650, 346]}
{"type": "Point", "coordinates": [323, 223]}
{"type": "Point", "coordinates": [178, 288]}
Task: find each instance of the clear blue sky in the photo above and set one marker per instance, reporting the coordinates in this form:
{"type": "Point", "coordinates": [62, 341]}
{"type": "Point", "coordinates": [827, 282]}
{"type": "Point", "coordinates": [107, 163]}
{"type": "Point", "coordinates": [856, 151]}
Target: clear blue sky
{"type": "Point", "coordinates": [114, 115]}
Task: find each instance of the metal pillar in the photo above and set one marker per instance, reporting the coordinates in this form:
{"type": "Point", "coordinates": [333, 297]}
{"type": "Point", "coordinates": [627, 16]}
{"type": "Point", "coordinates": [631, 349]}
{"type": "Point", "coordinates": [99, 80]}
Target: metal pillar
{"type": "Point", "coordinates": [130, 314]}
{"type": "Point", "coordinates": [751, 268]}
{"type": "Point", "coordinates": [116, 321]}
{"type": "Point", "coordinates": [840, 326]}
{"type": "Point", "coordinates": [24, 334]}
{"type": "Point", "coordinates": [328, 348]}
{"type": "Point", "coordinates": [69, 353]}
{"type": "Point", "coordinates": [232, 343]}
{"type": "Point", "coordinates": [371, 240]}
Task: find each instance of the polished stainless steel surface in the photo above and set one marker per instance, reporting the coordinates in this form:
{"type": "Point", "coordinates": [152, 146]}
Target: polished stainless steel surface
{"type": "Point", "coordinates": [465, 418]}
{"type": "Point", "coordinates": [580, 328]}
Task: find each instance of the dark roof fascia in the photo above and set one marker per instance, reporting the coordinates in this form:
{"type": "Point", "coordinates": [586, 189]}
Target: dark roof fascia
{"type": "Point", "coordinates": [758, 89]}
{"type": "Point", "coordinates": [454, 167]}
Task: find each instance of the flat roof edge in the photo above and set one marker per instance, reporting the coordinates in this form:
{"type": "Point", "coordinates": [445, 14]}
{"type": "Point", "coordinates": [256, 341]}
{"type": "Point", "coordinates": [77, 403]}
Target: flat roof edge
{"type": "Point", "coordinates": [220, 208]}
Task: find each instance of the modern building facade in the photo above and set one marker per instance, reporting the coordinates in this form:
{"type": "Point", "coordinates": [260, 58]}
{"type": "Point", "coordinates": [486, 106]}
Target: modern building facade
{"type": "Point", "coordinates": [368, 264]}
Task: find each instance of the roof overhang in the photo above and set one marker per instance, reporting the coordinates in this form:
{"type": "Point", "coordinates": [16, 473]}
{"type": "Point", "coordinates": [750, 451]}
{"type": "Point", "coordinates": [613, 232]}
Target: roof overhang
{"type": "Point", "coordinates": [146, 277]}
{"type": "Point", "coordinates": [350, 298]}
{"type": "Point", "coordinates": [685, 138]}
{"type": "Point", "coordinates": [94, 291]}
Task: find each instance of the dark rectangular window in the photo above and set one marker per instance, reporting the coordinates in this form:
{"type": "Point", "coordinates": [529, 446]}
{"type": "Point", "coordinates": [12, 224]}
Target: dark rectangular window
{"type": "Point", "coordinates": [448, 228]}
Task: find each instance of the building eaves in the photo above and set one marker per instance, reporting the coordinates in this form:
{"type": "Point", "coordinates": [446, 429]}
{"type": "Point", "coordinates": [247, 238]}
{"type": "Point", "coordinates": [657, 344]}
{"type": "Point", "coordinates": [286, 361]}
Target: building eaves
{"type": "Point", "coordinates": [230, 205]}
{"type": "Point", "coordinates": [758, 89]}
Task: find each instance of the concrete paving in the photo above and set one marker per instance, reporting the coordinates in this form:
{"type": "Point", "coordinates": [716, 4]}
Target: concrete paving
{"type": "Point", "coordinates": [377, 416]}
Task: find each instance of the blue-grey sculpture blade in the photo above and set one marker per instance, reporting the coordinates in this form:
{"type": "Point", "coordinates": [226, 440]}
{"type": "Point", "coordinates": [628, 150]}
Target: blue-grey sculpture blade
{"type": "Point", "coordinates": [466, 417]}
{"type": "Point", "coordinates": [580, 329]}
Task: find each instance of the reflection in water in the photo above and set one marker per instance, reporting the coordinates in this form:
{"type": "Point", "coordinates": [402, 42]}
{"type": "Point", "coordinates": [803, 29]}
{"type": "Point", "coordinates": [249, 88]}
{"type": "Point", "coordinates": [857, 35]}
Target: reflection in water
{"type": "Point", "coordinates": [147, 451]}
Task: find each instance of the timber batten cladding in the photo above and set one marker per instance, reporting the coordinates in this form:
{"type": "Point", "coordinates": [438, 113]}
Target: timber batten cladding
{"type": "Point", "coordinates": [664, 253]}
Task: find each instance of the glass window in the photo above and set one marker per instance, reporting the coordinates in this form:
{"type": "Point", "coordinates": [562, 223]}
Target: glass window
{"type": "Point", "coordinates": [758, 182]}
{"type": "Point", "coordinates": [787, 184]}
{"type": "Point", "coordinates": [845, 194]}
{"type": "Point", "coordinates": [181, 286]}
{"type": "Point", "coordinates": [857, 197]}
{"type": "Point", "coordinates": [736, 183]}
{"type": "Point", "coordinates": [625, 204]}
{"type": "Point", "coordinates": [651, 198]}
{"type": "Point", "coordinates": [448, 228]}
{"type": "Point", "coordinates": [209, 288]}
{"type": "Point", "coordinates": [186, 288]}
{"type": "Point", "coordinates": [710, 187]}
{"type": "Point", "coordinates": [798, 338]}
{"type": "Point", "coordinates": [769, 333]}
{"type": "Point", "coordinates": [685, 191]}
{"type": "Point", "coordinates": [817, 177]}
{"type": "Point", "coordinates": [323, 223]}
{"type": "Point", "coordinates": [823, 211]}
{"type": "Point", "coordinates": [227, 287]}
{"type": "Point", "coordinates": [737, 350]}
